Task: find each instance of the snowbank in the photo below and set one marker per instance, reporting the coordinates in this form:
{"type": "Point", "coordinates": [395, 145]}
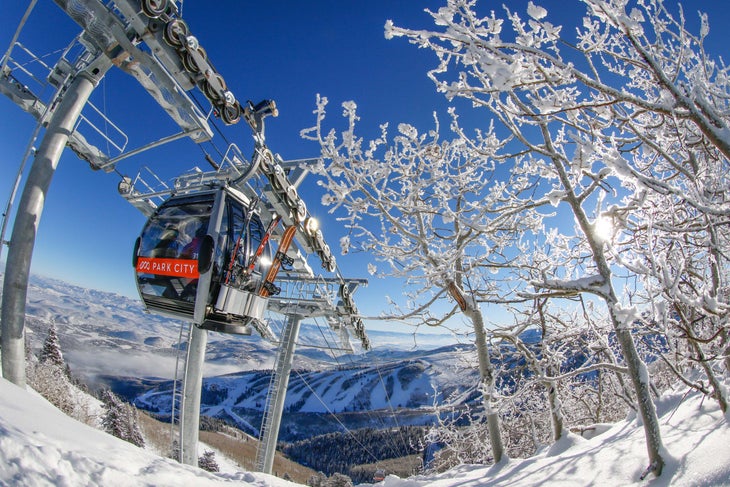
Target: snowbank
{"type": "Point", "coordinates": [40, 446]}
{"type": "Point", "coordinates": [695, 433]}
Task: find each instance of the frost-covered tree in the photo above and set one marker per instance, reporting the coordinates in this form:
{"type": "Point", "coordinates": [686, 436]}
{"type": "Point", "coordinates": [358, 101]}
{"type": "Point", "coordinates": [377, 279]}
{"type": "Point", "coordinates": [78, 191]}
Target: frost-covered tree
{"type": "Point", "coordinates": [208, 462]}
{"type": "Point", "coordinates": [557, 344]}
{"type": "Point", "coordinates": [175, 451]}
{"type": "Point", "coordinates": [439, 216]}
{"type": "Point", "coordinates": [338, 480]}
{"type": "Point", "coordinates": [52, 382]}
{"type": "Point", "coordinates": [558, 378]}
{"type": "Point", "coordinates": [624, 116]}
{"type": "Point", "coordinates": [121, 419]}
{"type": "Point", "coordinates": [49, 373]}
{"type": "Point", "coordinates": [317, 480]}
{"type": "Point", "coordinates": [51, 351]}
{"type": "Point", "coordinates": [459, 437]}
{"type": "Point", "coordinates": [51, 377]}
{"type": "Point", "coordinates": [560, 356]}
{"type": "Point", "coordinates": [684, 276]}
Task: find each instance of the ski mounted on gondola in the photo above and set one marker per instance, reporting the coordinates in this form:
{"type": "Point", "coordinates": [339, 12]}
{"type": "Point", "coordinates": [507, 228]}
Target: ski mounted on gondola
{"type": "Point", "coordinates": [268, 288]}
{"type": "Point", "coordinates": [264, 242]}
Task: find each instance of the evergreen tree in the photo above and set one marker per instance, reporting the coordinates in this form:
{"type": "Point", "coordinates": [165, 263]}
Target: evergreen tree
{"type": "Point", "coordinates": [51, 351]}
{"type": "Point", "coordinates": [207, 461]}
{"type": "Point", "coordinates": [120, 419]}
{"type": "Point", "coordinates": [49, 374]}
{"type": "Point", "coordinates": [134, 433]}
{"type": "Point", "coordinates": [111, 421]}
{"type": "Point", "coordinates": [51, 382]}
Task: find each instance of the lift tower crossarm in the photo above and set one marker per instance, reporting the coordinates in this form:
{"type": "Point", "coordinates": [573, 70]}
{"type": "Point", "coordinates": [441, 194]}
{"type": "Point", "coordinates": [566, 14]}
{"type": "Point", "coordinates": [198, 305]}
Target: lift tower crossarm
{"type": "Point", "coordinates": [108, 33]}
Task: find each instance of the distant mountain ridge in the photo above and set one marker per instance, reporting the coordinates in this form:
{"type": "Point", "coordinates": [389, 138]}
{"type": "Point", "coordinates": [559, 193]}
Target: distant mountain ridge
{"type": "Point", "coordinates": [95, 326]}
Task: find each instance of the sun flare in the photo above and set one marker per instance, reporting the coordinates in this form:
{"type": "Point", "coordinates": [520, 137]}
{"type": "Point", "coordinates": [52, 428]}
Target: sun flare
{"type": "Point", "coordinates": [603, 228]}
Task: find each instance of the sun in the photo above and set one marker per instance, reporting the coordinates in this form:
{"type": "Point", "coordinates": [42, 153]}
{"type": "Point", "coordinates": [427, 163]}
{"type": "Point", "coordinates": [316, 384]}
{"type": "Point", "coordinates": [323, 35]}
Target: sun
{"type": "Point", "coordinates": [603, 228]}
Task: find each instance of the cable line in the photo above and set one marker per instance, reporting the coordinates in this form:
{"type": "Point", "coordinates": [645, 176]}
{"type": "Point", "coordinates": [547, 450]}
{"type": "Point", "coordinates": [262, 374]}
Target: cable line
{"type": "Point", "coordinates": [390, 406]}
{"type": "Point", "coordinates": [393, 446]}
{"type": "Point", "coordinates": [366, 449]}
{"type": "Point", "coordinates": [212, 121]}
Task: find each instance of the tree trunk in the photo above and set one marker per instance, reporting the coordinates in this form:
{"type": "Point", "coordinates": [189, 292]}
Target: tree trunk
{"type": "Point", "coordinates": [556, 413]}
{"type": "Point", "coordinates": [726, 341]}
{"type": "Point", "coordinates": [640, 380]}
{"type": "Point", "coordinates": [717, 282]}
{"type": "Point", "coordinates": [717, 389]}
{"type": "Point", "coordinates": [637, 368]}
{"type": "Point", "coordinates": [488, 379]}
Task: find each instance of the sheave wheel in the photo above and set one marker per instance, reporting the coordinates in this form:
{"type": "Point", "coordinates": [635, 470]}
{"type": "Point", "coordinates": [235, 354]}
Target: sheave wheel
{"type": "Point", "coordinates": [211, 92]}
{"type": "Point", "coordinates": [175, 33]}
{"type": "Point", "coordinates": [230, 114]}
{"type": "Point", "coordinates": [188, 61]}
{"type": "Point", "coordinates": [154, 8]}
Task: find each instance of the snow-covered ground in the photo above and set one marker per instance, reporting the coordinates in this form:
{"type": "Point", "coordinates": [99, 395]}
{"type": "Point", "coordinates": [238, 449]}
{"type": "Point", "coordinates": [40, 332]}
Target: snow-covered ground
{"type": "Point", "coordinates": [696, 436]}
{"type": "Point", "coordinates": [40, 446]}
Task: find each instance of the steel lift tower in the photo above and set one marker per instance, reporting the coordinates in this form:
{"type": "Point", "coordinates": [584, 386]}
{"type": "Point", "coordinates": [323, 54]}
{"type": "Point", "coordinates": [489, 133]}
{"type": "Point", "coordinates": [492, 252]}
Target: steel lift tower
{"type": "Point", "coordinates": [149, 40]}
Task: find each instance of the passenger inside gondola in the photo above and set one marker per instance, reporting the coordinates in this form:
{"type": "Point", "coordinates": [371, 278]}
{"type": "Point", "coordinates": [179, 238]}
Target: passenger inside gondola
{"type": "Point", "coordinates": [169, 264]}
{"type": "Point", "coordinates": [168, 252]}
{"type": "Point", "coordinates": [195, 231]}
{"type": "Point", "coordinates": [167, 247]}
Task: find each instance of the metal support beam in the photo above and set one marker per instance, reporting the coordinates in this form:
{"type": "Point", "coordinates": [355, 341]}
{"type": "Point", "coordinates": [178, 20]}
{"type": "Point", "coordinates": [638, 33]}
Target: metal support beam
{"type": "Point", "coordinates": [280, 382]}
{"type": "Point", "coordinates": [108, 33]}
{"type": "Point", "coordinates": [192, 386]}
{"type": "Point", "coordinates": [22, 241]}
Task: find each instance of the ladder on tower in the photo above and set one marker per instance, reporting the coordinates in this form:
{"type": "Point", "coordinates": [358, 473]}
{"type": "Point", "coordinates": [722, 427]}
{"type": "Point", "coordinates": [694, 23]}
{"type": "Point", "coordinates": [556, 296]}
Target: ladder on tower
{"type": "Point", "coordinates": [269, 423]}
{"type": "Point", "coordinates": [177, 397]}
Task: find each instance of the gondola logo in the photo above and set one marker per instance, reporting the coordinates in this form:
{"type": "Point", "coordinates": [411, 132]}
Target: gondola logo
{"type": "Point", "coordinates": [187, 268]}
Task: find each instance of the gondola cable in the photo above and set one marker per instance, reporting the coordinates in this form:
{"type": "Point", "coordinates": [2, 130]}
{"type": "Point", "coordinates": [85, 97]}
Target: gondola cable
{"type": "Point", "coordinates": [393, 444]}
{"type": "Point", "coordinates": [213, 123]}
{"type": "Point", "coordinates": [347, 430]}
{"type": "Point", "coordinates": [211, 120]}
{"type": "Point", "coordinates": [390, 406]}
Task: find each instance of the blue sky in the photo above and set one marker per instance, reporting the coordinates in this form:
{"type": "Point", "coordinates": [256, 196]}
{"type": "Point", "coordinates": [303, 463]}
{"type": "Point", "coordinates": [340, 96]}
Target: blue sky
{"type": "Point", "coordinates": [288, 51]}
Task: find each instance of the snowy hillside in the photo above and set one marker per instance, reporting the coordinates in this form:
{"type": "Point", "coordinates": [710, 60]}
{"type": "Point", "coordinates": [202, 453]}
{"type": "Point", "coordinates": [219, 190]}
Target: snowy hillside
{"type": "Point", "coordinates": [401, 384]}
{"type": "Point", "coordinates": [695, 434]}
{"type": "Point", "coordinates": [108, 334]}
{"type": "Point", "coordinates": [39, 446]}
